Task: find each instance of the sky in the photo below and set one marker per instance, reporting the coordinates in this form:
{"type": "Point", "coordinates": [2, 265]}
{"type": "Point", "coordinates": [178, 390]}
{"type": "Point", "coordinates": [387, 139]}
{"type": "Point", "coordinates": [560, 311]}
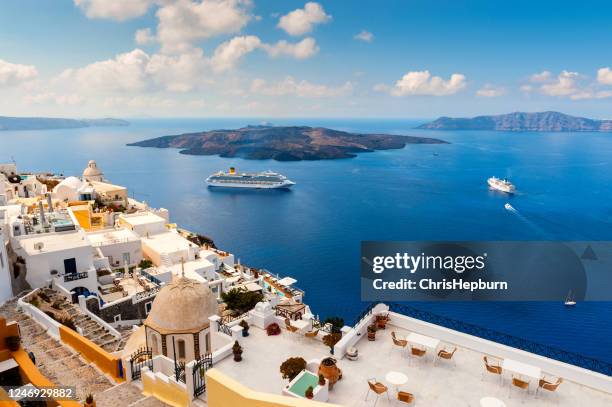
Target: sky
{"type": "Point", "coordinates": [340, 58]}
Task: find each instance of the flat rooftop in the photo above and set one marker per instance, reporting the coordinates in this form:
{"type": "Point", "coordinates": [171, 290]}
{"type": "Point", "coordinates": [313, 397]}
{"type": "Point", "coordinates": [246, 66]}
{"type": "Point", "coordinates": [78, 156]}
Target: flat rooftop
{"type": "Point", "coordinates": [112, 236]}
{"type": "Point", "coordinates": [106, 187]}
{"type": "Point", "coordinates": [142, 218]}
{"type": "Point", "coordinates": [167, 242]}
{"type": "Point", "coordinates": [442, 384]}
{"type": "Point", "coordinates": [53, 242]}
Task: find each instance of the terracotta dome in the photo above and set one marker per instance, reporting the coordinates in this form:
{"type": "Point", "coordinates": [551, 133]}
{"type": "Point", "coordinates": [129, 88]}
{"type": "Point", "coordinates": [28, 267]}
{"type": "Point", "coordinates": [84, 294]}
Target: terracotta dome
{"type": "Point", "coordinates": [92, 172]}
{"type": "Point", "coordinates": [184, 305]}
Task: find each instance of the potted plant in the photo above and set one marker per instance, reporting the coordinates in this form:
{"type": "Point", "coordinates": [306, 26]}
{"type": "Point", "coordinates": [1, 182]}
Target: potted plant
{"type": "Point", "coordinates": [13, 343]}
{"type": "Point", "coordinates": [309, 393]}
{"type": "Point", "coordinates": [329, 370]}
{"type": "Point", "coordinates": [237, 351]}
{"type": "Point", "coordinates": [273, 329]}
{"type": "Point", "coordinates": [372, 332]}
{"type": "Point", "coordinates": [331, 340]}
{"type": "Point", "coordinates": [292, 367]}
{"type": "Point", "coordinates": [89, 401]}
{"type": "Point", "coordinates": [245, 327]}
{"type": "Point", "coordinates": [321, 380]}
{"type": "Point", "coordinates": [381, 321]}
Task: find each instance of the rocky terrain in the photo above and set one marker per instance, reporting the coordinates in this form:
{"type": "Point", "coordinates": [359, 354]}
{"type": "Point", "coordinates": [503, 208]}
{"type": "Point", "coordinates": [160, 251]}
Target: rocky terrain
{"type": "Point", "coordinates": [520, 121]}
{"type": "Point", "coordinates": [282, 143]}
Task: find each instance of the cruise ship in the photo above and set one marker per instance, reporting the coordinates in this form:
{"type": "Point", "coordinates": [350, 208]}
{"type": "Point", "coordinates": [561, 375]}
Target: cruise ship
{"type": "Point", "coordinates": [260, 180]}
{"type": "Point", "coordinates": [502, 185]}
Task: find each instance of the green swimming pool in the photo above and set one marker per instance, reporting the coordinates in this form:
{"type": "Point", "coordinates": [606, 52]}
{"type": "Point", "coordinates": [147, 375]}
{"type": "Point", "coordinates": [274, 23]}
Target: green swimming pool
{"type": "Point", "coordinates": [305, 380]}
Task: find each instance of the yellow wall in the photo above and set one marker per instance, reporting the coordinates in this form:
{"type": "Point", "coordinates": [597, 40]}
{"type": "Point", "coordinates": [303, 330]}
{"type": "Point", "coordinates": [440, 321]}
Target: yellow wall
{"type": "Point", "coordinates": [10, 329]}
{"type": "Point", "coordinates": [31, 374]}
{"type": "Point", "coordinates": [82, 216]}
{"type": "Point", "coordinates": [165, 390]}
{"type": "Point", "coordinates": [223, 391]}
{"type": "Point", "coordinates": [105, 361]}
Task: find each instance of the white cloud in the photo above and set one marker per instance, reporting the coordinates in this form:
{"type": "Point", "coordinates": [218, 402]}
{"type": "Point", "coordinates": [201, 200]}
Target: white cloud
{"type": "Point", "coordinates": [540, 77]}
{"type": "Point", "coordinates": [364, 36]}
{"type": "Point", "coordinates": [13, 74]}
{"type": "Point", "coordinates": [302, 21]}
{"type": "Point", "coordinates": [300, 50]}
{"type": "Point", "coordinates": [183, 22]}
{"type": "Point", "coordinates": [571, 85]}
{"type": "Point", "coordinates": [118, 10]}
{"type": "Point", "coordinates": [604, 76]}
{"type": "Point", "coordinates": [490, 91]}
{"type": "Point", "coordinates": [303, 88]}
{"type": "Point", "coordinates": [229, 53]}
{"type": "Point", "coordinates": [564, 85]}
{"type": "Point", "coordinates": [422, 83]}
{"type": "Point", "coordinates": [144, 37]}
{"type": "Point", "coordinates": [137, 71]}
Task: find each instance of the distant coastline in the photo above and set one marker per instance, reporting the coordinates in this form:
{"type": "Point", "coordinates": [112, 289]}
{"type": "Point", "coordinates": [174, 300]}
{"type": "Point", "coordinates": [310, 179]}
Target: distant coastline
{"type": "Point", "coordinates": [521, 121]}
{"type": "Point", "coordinates": [48, 123]}
{"type": "Point", "coordinates": [288, 143]}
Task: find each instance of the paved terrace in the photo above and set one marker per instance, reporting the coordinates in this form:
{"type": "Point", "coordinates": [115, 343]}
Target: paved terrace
{"type": "Point", "coordinates": [439, 385]}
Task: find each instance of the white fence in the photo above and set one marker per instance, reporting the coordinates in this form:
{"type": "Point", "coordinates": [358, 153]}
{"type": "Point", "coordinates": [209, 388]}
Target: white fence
{"type": "Point", "coordinates": [51, 325]}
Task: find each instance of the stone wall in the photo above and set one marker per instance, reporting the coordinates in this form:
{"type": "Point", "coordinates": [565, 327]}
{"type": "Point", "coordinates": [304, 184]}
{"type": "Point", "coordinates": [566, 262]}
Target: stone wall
{"type": "Point", "coordinates": [128, 310]}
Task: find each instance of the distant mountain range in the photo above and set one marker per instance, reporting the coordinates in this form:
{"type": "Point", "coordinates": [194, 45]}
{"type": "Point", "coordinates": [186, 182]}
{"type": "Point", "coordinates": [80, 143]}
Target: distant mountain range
{"type": "Point", "coordinates": [292, 143]}
{"type": "Point", "coordinates": [47, 123]}
{"type": "Point", "coordinates": [520, 121]}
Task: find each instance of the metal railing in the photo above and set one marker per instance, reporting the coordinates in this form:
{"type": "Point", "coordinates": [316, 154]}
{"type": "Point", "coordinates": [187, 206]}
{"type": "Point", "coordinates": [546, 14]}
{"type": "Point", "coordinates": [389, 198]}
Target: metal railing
{"type": "Point", "coordinates": [151, 278]}
{"type": "Point", "coordinates": [527, 345]}
{"type": "Point", "coordinates": [75, 276]}
{"type": "Point", "coordinates": [226, 319]}
{"type": "Point", "coordinates": [143, 295]}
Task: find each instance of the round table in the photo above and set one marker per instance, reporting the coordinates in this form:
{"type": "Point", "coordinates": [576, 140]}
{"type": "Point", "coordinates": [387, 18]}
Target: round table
{"type": "Point", "coordinates": [491, 402]}
{"type": "Point", "coordinates": [396, 379]}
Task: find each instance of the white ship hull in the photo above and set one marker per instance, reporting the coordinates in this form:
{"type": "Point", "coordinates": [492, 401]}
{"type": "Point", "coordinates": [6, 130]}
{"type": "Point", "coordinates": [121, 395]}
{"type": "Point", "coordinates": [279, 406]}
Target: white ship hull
{"type": "Point", "coordinates": [500, 185]}
{"type": "Point", "coordinates": [286, 184]}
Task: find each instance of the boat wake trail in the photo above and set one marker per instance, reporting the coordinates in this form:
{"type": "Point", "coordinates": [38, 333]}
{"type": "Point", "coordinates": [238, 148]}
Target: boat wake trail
{"type": "Point", "coordinates": [532, 225]}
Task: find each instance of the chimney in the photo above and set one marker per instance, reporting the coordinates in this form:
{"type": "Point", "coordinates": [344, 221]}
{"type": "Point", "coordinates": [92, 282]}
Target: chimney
{"type": "Point", "coordinates": [41, 211]}
{"type": "Point", "coordinates": [49, 203]}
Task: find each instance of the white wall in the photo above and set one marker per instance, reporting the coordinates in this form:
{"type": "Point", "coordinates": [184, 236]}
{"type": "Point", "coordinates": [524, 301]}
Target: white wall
{"type": "Point", "coordinates": [117, 250]}
{"type": "Point", "coordinates": [5, 277]}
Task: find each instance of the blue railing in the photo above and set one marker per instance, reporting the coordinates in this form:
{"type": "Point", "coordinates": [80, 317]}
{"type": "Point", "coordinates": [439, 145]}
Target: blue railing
{"type": "Point", "coordinates": [548, 351]}
{"type": "Point", "coordinates": [151, 278]}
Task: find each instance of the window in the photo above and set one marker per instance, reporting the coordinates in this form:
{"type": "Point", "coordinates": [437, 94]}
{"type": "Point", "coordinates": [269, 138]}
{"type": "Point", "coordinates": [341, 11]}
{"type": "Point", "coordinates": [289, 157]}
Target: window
{"type": "Point", "coordinates": [70, 266]}
{"type": "Point", "coordinates": [126, 258]}
{"type": "Point", "coordinates": [181, 348]}
{"type": "Point", "coordinates": [117, 318]}
{"type": "Point", "coordinates": [148, 306]}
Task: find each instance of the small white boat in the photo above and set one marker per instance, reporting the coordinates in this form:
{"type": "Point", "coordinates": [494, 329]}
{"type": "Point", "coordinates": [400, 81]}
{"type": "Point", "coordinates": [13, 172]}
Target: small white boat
{"type": "Point", "coordinates": [502, 185]}
{"type": "Point", "coordinates": [569, 300]}
{"type": "Point", "coordinates": [509, 207]}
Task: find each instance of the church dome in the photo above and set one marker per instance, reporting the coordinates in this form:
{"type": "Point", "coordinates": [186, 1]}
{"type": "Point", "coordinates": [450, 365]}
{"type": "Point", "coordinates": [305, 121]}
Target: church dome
{"type": "Point", "coordinates": [184, 305]}
{"type": "Point", "coordinates": [92, 172]}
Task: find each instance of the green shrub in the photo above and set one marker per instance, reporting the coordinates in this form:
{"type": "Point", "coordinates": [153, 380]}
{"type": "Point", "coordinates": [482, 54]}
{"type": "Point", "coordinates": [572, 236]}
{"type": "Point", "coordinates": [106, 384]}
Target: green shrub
{"type": "Point", "coordinates": [241, 300]}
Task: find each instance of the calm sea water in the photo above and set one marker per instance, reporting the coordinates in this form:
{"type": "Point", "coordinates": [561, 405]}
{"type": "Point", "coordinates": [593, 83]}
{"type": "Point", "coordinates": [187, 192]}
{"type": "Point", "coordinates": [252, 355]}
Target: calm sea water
{"type": "Point", "coordinates": [313, 231]}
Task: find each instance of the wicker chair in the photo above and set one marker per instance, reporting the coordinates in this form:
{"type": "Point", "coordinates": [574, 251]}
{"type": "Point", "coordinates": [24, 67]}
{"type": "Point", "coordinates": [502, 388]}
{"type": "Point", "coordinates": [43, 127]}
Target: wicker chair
{"type": "Point", "coordinates": [378, 388]}
{"type": "Point", "coordinates": [311, 334]}
{"type": "Point", "coordinates": [444, 354]}
{"type": "Point", "coordinates": [550, 386]}
{"type": "Point", "coordinates": [519, 384]}
{"type": "Point", "coordinates": [491, 368]}
{"type": "Point", "coordinates": [404, 398]}
{"type": "Point", "coordinates": [398, 343]}
{"type": "Point", "coordinates": [290, 327]}
{"type": "Point", "coordinates": [417, 352]}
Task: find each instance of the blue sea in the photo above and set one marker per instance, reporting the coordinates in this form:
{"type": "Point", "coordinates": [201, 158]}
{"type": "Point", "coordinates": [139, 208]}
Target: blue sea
{"type": "Point", "coordinates": [313, 232]}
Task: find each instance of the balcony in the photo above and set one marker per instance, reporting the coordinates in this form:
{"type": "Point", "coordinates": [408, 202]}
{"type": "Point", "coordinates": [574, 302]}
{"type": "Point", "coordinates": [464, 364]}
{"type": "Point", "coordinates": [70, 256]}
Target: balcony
{"type": "Point", "coordinates": [75, 276]}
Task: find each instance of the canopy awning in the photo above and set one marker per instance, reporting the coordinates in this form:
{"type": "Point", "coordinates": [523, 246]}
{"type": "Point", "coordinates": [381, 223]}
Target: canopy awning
{"type": "Point", "coordinates": [287, 281]}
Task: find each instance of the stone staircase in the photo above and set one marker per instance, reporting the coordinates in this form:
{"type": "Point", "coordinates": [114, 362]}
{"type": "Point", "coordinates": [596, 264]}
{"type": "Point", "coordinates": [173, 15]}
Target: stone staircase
{"type": "Point", "coordinates": [89, 328]}
{"type": "Point", "coordinates": [56, 361]}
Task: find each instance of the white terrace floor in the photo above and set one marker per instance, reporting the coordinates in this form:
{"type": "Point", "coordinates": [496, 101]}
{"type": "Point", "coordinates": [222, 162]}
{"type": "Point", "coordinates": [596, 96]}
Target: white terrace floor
{"type": "Point", "coordinates": [439, 385]}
